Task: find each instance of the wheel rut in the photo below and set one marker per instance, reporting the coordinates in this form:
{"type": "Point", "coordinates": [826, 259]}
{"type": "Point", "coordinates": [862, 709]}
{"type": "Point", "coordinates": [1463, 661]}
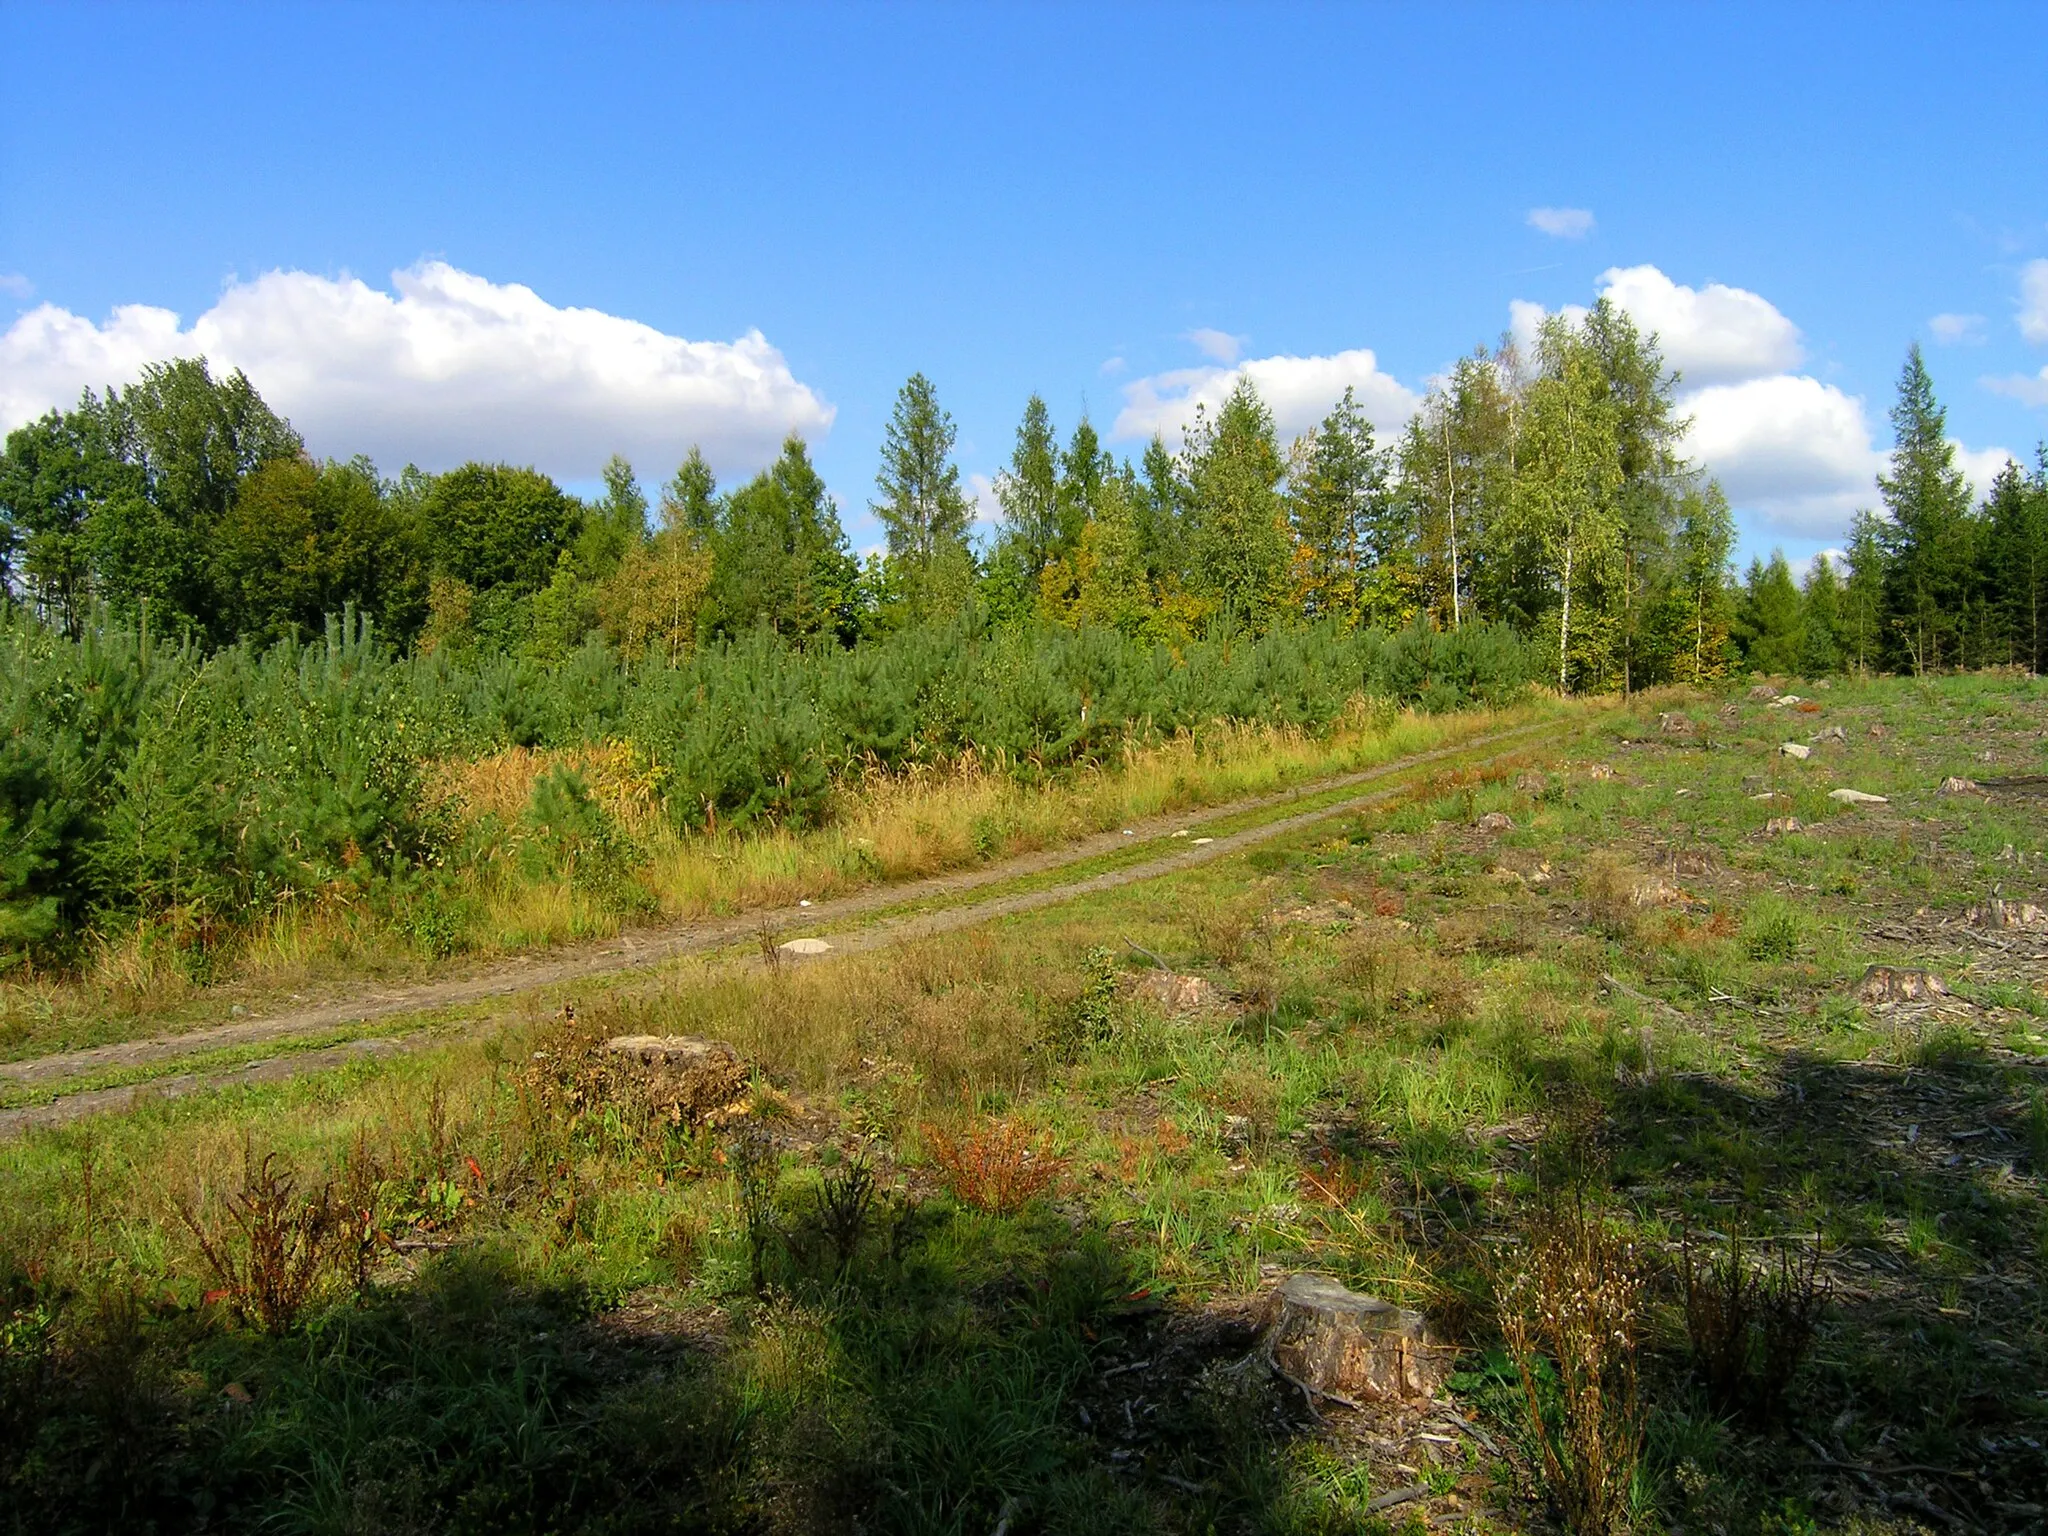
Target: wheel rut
{"type": "Point", "coordinates": [647, 949]}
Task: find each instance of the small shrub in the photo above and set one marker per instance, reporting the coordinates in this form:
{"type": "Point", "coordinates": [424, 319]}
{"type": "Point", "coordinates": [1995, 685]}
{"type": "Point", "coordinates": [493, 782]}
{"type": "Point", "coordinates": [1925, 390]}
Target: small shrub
{"type": "Point", "coordinates": [756, 1177]}
{"type": "Point", "coordinates": [1750, 1324]}
{"type": "Point", "coordinates": [1000, 1169]}
{"type": "Point", "coordinates": [1773, 930]}
{"type": "Point", "coordinates": [268, 1245]}
{"type": "Point", "coordinates": [1226, 930]}
{"type": "Point", "coordinates": [845, 1209]}
{"type": "Point", "coordinates": [1571, 1313]}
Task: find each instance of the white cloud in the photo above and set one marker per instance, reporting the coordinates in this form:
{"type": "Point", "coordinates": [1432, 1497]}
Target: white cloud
{"type": "Point", "coordinates": [1526, 318]}
{"type": "Point", "coordinates": [2034, 300]}
{"type": "Point", "coordinates": [15, 286]}
{"type": "Point", "coordinates": [981, 490]}
{"type": "Point", "coordinates": [446, 367]}
{"type": "Point", "coordinates": [1791, 448]}
{"type": "Point", "coordinates": [1298, 390]}
{"type": "Point", "coordinates": [1711, 335]}
{"type": "Point", "coordinates": [1562, 223]}
{"type": "Point", "coordinates": [1980, 466]}
{"type": "Point", "coordinates": [1112, 366]}
{"type": "Point", "coordinates": [1217, 346]}
{"type": "Point", "coordinates": [1838, 558]}
{"type": "Point", "coordinates": [1951, 330]}
{"type": "Point", "coordinates": [2029, 389]}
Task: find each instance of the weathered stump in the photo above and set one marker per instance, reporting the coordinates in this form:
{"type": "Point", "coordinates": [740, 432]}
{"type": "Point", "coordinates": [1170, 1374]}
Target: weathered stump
{"type": "Point", "coordinates": [1996, 912]}
{"type": "Point", "coordinates": [681, 1075]}
{"type": "Point", "coordinates": [1350, 1348]}
{"type": "Point", "coordinates": [1898, 984]}
{"type": "Point", "coordinates": [1174, 994]}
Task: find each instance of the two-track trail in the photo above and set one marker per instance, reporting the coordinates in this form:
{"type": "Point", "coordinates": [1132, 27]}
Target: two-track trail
{"type": "Point", "coordinates": [866, 920]}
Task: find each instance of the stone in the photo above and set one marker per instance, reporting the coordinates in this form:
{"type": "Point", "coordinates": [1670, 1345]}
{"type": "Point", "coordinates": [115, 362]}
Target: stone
{"type": "Point", "coordinates": [1832, 733]}
{"type": "Point", "coordinates": [1899, 984]}
{"type": "Point", "coordinates": [1599, 770]}
{"type": "Point", "coordinates": [1762, 692]}
{"type": "Point", "coordinates": [1236, 1135]}
{"type": "Point", "coordinates": [684, 1076]}
{"type": "Point", "coordinates": [804, 947]}
{"type": "Point", "coordinates": [1786, 701]}
{"type": "Point", "coordinates": [1349, 1348]}
{"type": "Point", "coordinates": [1495, 821]}
{"type": "Point", "coordinates": [1856, 797]}
{"type": "Point", "coordinates": [1877, 728]}
{"type": "Point", "coordinates": [1669, 724]}
{"type": "Point", "coordinates": [1952, 785]}
{"type": "Point", "coordinates": [1796, 749]}
{"type": "Point", "coordinates": [1174, 994]}
{"type": "Point", "coordinates": [1780, 826]}
{"type": "Point", "coordinates": [1532, 783]}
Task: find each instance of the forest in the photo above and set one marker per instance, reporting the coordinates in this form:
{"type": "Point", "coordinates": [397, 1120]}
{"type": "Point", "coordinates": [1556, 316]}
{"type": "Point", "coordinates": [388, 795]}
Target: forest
{"type": "Point", "coordinates": [230, 667]}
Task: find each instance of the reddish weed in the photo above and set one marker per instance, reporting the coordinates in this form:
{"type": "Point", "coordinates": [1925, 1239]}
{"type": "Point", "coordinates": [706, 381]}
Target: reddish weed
{"type": "Point", "coordinates": [1000, 1168]}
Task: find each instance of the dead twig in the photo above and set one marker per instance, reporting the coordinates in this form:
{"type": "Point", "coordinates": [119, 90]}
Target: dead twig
{"type": "Point", "coordinates": [1398, 1496]}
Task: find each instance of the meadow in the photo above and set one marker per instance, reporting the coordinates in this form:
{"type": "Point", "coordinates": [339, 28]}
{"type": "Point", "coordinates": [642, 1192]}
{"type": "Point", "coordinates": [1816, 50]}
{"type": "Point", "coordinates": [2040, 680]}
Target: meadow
{"type": "Point", "coordinates": [1575, 1050]}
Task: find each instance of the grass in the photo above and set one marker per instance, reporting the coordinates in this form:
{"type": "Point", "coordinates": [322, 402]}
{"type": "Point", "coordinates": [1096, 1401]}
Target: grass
{"type": "Point", "coordinates": [1035, 1309]}
{"type": "Point", "coordinates": [885, 830]}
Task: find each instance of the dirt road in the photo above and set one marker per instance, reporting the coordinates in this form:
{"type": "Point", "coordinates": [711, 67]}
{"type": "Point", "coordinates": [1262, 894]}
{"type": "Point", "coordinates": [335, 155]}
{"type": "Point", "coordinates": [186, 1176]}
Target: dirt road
{"type": "Point", "coordinates": [649, 948]}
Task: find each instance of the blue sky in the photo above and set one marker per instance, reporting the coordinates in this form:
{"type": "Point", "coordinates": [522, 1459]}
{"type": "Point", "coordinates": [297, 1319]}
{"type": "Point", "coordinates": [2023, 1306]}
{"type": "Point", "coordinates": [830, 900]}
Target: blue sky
{"type": "Point", "coordinates": [1110, 206]}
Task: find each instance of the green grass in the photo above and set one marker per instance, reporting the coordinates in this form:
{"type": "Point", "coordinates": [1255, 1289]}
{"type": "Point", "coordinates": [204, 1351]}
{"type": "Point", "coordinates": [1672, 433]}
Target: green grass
{"type": "Point", "coordinates": [1419, 1024]}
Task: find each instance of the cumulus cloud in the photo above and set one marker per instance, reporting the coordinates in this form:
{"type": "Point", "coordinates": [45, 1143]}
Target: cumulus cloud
{"type": "Point", "coordinates": [2034, 300]}
{"type": "Point", "coordinates": [447, 366]}
{"type": "Point", "coordinates": [1801, 453]}
{"type": "Point", "coordinates": [1950, 330]}
{"type": "Point", "coordinates": [2029, 389]}
{"type": "Point", "coordinates": [1562, 223]}
{"type": "Point", "coordinates": [1711, 335]}
{"type": "Point", "coordinates": [1838, 558]}
{"type": "Point", "coordinates": [1789, 447]}
{"type": "Point", "coordinates": [1219, 346]}
{"type": "Point", "coordinates": [1298, 390]}
{"type": "Point", "coordinates": [981, 491]}
{"type": "Point", "coordinates": [1980, 466]}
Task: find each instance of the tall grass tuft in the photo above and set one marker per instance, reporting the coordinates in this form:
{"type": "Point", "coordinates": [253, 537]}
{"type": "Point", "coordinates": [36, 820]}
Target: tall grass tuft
{"type": "Point", "coordinates": [1571, 1313]}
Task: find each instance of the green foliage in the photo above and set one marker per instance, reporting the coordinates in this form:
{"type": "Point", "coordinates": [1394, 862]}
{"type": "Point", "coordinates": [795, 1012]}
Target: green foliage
{"type": "Point", "coordinates": [1770, 623]}
{"type": "Point", "coordinates": [491, 525]}
{"type": "Point", "coordinates": [1238, 548]}
{"type": "Point", "coordinates": [139, 780]}
{"type": "Point", "coordinates": [921, 505]}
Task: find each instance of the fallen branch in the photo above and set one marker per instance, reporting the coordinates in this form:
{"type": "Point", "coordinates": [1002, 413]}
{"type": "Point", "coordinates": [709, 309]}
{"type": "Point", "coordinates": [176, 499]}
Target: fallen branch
{"type": "Point", "coordinates": [1141, 949]}
{"type": "Point", "coordinates": [1398, 1496]}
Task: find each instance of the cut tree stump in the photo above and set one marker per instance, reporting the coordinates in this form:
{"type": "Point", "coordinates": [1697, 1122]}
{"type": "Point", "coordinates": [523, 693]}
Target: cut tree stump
{"type": "Point", "coordinates": [1175, 994]}
{"type": "Point", "coordinates": [1898, 984]}
{"type": "Point", "coordinates": [1349, 1348]}
{"type": "Point", "coordinates": [683, 1076]}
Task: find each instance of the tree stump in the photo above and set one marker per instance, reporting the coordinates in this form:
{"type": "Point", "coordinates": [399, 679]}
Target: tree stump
{"type": "Point", "coordinates": [683, 1076]}
{"type": "Point", "coordinates": [1175, 994]}
{"type": "Point", "coordinates": [1350, 1348]}
{"type": "Point", "coordinates": [1897, 984]}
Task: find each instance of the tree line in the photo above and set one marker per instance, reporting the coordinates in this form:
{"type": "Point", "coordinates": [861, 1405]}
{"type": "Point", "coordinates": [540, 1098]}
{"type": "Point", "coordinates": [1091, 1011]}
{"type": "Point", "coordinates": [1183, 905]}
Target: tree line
{"type": "Point", "coordinates": [1542, 488]}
